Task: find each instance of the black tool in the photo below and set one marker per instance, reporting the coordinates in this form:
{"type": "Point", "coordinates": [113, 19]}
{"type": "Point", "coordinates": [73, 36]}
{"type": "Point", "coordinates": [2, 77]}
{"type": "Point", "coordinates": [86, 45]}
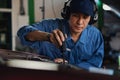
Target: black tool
{"type": "Point", "coordinates": [63, 47]}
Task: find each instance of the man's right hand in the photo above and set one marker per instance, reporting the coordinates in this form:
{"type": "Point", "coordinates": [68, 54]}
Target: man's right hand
{"type": "Point", "coordinates": [57, 38]}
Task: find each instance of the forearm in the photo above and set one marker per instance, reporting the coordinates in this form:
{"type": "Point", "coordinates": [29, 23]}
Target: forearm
{"type": "Point", "coordinates": [56, 37]}
{"type": "Point", "coordinates": [37, 36]}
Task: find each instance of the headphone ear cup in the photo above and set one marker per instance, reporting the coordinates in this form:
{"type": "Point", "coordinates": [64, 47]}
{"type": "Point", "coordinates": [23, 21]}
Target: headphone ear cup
{"type": "Point", "coordinates": [94, 19]}
{"type": "Point", "coordinates": [66, 12]}
{"type": "Point", "coordinates": [63, 13]}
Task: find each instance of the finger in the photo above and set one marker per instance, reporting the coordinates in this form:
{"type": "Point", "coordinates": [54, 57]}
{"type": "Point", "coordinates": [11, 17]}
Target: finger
{"type": "Point", "coordinates": [53, 40]}
{"type": "Point", "coordinates": [57, 37]}
{"type": "Point", "coordinates": [60, 60]}
{"type": "Point", "coordinates": [65, 35]}
{"type": "Point", "coordinates": [61, 35]}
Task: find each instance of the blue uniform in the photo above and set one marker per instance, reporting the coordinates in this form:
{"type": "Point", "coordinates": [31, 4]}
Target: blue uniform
{"type": "Point", "coordinates": [87, 52]}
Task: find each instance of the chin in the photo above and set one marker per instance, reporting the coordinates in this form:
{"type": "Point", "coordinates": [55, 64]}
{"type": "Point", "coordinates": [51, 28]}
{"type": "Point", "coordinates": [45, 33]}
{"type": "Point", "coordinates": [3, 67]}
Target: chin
{"type": "Point", "coordinates": [78, 31]}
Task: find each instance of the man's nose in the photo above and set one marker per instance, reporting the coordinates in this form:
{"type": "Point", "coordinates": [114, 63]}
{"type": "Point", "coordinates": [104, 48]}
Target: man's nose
{"type": "Point", "coordinates": [79, 21]}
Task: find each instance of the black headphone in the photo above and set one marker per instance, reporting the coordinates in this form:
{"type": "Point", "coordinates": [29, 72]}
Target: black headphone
{"type": "Point", "coordinates": [66, 11]}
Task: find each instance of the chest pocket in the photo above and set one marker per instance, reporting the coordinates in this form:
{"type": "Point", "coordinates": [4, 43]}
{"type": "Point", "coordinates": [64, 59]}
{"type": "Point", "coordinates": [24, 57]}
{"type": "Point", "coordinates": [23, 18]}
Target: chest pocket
{"type": "Point", "coordinates": [85, 51]}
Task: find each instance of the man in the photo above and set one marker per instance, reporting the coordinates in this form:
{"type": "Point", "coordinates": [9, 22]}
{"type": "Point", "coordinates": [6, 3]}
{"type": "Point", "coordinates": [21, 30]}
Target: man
{"type": "Point", "coordinates": [84, 43]}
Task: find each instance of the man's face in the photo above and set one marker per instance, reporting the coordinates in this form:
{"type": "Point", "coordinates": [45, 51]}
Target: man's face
{"type": "Point", "coordinates": [78, 22]}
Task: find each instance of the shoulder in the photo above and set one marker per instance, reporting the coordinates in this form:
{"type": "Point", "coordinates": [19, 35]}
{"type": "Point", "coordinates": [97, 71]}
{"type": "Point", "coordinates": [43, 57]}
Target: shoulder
{"type": "Point", "coordinates": [93, 29]}
{"type": "Point", "coordinates": [93, 32]}
{"type": "Point", "coordinates": [53, 20]}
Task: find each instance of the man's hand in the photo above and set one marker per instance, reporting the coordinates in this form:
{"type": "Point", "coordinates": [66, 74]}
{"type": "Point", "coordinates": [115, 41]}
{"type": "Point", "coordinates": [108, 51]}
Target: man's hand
{"type": "Point", "coordinates": [57, 37]}
{"type": "Point", "coordinates": [59, 60]}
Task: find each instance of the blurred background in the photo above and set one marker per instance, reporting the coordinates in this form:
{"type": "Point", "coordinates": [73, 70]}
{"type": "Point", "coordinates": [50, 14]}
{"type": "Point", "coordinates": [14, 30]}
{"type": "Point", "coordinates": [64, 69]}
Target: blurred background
{"type": "Point", "coordinates": [16, 13]}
